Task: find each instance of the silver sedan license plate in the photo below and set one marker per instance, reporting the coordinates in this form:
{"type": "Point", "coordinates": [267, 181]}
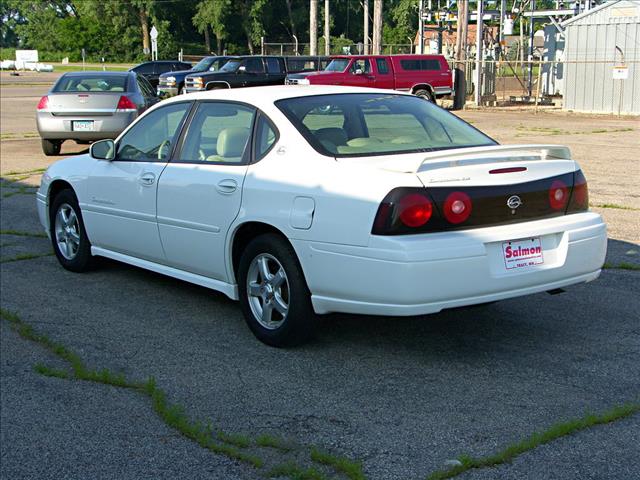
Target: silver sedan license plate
{"type": "Point", "coordinates": [82, 125]}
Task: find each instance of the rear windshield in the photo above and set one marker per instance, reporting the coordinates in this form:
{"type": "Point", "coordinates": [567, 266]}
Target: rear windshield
{"type": "Point", "coordinates": [363, 124]}
{"type": "Point", "coordinates": [92, 83]}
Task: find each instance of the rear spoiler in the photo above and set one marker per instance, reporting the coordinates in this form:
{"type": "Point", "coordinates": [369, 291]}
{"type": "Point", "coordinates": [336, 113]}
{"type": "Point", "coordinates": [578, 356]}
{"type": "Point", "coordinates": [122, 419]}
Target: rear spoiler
{"type": "Point", "coordinates": [493, 154]}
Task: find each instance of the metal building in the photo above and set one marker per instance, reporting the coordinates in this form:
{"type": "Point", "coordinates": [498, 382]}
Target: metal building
{"type": "Point", "coordinates": [602, 59]}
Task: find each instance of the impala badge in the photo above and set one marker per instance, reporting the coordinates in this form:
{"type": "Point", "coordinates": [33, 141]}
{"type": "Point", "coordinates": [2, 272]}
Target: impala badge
{"type": "Point", "coordinates": [514, 202]}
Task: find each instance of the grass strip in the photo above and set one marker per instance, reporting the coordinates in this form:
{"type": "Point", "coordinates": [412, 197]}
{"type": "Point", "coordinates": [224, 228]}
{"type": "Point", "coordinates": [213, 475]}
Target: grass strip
{"type": "Point", "coordinates": [269, 441]}
{"type": "Point", "coordinates": [612, 205]}
{"type": "Point", "coordinates": [353, 470]}
{"type": "Point", "coordinates": [20, 233]}
{"type": "Point", "coordinates": [295, 472]}
{"type": "Point", "coordinates": [25, 256]}
{"type": "Point", "coordinates": [26, 172]}
{"type": "Point", "coordinates": [235, 439]}
{"type": "Point", "coordinates": [622, 266]}
{"type": "Point", "coordinates": [172, 414]}
{"type": "Point", "coordinates": [554, 432]}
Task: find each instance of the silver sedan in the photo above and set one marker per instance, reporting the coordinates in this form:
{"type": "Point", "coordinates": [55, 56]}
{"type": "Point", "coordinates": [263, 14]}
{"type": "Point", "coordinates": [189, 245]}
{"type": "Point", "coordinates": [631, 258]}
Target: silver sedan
{"type": "Point", "coordinates": [90, 106]}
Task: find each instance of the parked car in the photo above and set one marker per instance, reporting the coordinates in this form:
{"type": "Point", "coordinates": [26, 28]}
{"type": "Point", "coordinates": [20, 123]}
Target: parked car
{"type": "Point", "coordinates": [89, 106]}
{"type": "Point", "coordinates": [427, 76]}
{"type": "Point", "coordinates": [327, 199]}
{"type": "Point", "coordinates": [152, 70]}
{"type": "Point", "coordinates": [172, 83]}
{"type": "Point", "coordinates": [253, 71]}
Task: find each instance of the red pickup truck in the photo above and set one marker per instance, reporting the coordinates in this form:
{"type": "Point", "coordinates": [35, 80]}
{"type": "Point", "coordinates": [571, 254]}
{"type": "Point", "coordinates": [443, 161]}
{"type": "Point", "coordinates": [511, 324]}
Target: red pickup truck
{"type": "Point", "coordinates": [427, 76]}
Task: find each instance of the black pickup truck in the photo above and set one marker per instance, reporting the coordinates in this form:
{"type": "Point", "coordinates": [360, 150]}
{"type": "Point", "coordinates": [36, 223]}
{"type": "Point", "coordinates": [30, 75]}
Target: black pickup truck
{"type": "Point", "coordinates": [252, 71]}
{"type": "Point", "coordinates": [172, 83]}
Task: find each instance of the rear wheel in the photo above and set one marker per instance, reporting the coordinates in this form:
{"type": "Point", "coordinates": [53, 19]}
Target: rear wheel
{"type": "Point", "coordinates": [426, 94]}
{"type": "Point", "coordinates": [274, 296]}
{"type": "Point", "coordinates": [51, 147]}
{"type": "Point", "coordinates": [68, 236]}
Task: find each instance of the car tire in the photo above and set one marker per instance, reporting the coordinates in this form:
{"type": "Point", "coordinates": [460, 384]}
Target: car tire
{"type": "Point", "coordinates": [68, 236]}
{"type": "Point", "coordinates": [51, 147]}
{"type": "Point", "coordinates": [288, 318]}
{"type": "Point", "coordinates": [426, 94]}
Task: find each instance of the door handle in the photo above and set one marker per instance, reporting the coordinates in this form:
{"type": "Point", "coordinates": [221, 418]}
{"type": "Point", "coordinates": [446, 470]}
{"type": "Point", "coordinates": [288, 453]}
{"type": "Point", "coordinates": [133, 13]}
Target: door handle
{"type": "Point", "coordinates": [227, 186]}
{"type": "Point", "coordinates": [147, 179]}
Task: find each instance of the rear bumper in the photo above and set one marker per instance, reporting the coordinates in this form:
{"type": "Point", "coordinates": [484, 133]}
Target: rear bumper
{"type": "Point", "coordinates": [54, 127]}
{"type": "Point", "coordinates": [423, 274]}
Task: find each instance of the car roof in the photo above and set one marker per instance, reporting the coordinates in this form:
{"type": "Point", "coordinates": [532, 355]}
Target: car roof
{"type": "Point", "coordinates": [268, 95]}
{"type": "Point", "coordinates": [97, 72]}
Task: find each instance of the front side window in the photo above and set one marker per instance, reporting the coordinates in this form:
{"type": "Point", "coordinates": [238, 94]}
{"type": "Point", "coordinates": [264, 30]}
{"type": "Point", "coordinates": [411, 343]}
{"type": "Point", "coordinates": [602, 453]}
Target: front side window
{"type": "Point", "coordinates": [360, 64]}
{"type": "Point", "coordinates": [254, 65]}
{"type": "Point", "coordinates": [351, 125]}
{"type": "Point", "coordinates": [218, 132]}
{"type": "Point", "coordinates": [152, 138]}
{"type": "Point", "coordinates": [144, 69]}
{"type": "Point", "coordinates": [203, 64]}
{"type": "Point", "coordinates": [231, 65]}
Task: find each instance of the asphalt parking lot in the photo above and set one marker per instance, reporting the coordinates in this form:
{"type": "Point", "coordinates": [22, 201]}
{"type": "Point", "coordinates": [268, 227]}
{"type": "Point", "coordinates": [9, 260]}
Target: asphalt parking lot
{"type": "Point", "coordinates": [400, 395]}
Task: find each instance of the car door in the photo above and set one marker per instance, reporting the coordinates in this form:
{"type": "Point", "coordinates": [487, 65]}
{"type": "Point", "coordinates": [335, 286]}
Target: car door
{"type": "Point", "coordinates": [121, 194]}
{"type": "Point", "coordinates": [360, 73]}
{"type": "Point", "coordinates": [200, 191]}
{"type": "Point", "coordinates": [253, 74]}
{"type": "Point", "coordinates": [275, 71]}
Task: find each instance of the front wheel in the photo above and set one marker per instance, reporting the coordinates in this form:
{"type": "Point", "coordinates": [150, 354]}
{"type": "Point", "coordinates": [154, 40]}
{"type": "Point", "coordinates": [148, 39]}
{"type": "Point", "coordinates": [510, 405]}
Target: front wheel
{"type": "Point", "coordinates": [70, 242]}
{"type": "Point", "coordinates": [51, 147]}
{"type": "Point", "coordinates": [274, 296]}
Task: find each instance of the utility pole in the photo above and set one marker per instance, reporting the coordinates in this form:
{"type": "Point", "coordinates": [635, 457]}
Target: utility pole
{"type": "Point", "coordinates": [313, 27]}
{"type": "Point", "coordinates": [421, 26]}
{"type": "Point", "coordinates": [462, 29]}
{"type": "Point", "coordinates": [479, 51]}
{"type": "Point", "coordinates": [327, 39]}
{"type": "Point", "coordinates": [377, 27]}
{"type": "Point", "coordinates": [503, 7]}
{"type": "Point", "coordinates": [365, 7]}
{"type": "Point", "coordinates": [531, 32]}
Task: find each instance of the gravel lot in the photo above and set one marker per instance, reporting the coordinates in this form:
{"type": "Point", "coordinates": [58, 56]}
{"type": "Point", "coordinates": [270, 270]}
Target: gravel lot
{"type": "Point", "coordinates": [403, 395]}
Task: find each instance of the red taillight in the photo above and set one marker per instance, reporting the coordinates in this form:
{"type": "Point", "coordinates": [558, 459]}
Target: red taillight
{"type": "Point", "coordinates": [579, 194]}
{"type": "Point", "coordinates": [43, 104]}
{"type": "Point", "coordinates": [457, 207]}
{"type": "Point", "coordinates": [125, 103]}
{"type": "Point", "coordinates": [558, 195]}
{"type": "Point", "coordinates": [415, 210]}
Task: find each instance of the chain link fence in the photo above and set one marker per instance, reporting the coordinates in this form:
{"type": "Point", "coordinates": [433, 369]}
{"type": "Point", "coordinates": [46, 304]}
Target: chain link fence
{"type": "Point", "coordinates": [606, 86]}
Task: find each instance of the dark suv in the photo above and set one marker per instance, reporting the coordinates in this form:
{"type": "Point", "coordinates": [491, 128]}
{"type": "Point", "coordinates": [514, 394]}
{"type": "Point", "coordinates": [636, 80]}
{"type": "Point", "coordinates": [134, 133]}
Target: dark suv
{"type": "Point", "coordinates": [172, 83]}
{"type": "Point", "coordinates": [152, 70]}
{"type": "Point", "coordinates": [251, 71]}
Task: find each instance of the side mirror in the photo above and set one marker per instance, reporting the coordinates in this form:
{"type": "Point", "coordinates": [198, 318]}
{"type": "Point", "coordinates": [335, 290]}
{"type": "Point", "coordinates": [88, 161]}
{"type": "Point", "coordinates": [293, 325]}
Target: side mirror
{"type": "Point", "coordinates": [103, 150]}
{"type": "Point", "coordinates": [242, 69]}
{"type": "Point", "coordinates": [359, 71]}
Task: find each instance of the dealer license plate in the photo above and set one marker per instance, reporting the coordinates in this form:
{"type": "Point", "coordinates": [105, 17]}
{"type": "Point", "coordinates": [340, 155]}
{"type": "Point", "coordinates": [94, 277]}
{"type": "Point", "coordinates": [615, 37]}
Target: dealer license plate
{"type": "Point", "coordinates": [82, 125]}
{"type": "Point", "coordinates": [522, 253]}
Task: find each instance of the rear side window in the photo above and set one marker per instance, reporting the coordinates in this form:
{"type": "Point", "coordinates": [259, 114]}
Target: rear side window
{"type": "Point", "coordinates": [421, 64]}
{"type": "Point", "coordinates": [153, 137]}
{"type": "Point", "coordinates": [145, 86]}
{"type": "Point", "coordinates": [266, 136]}
{"type": "Point", "coordinates": [273, 65]}
{"type": "Point", "coordinates": [92, 83]}
{"type": "Point", "coordinates": [383, 66]}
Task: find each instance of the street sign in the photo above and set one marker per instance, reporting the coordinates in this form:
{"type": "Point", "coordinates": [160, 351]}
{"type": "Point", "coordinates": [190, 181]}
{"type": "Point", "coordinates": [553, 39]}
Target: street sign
{"type": "Point", "coordinates": [153, 33]}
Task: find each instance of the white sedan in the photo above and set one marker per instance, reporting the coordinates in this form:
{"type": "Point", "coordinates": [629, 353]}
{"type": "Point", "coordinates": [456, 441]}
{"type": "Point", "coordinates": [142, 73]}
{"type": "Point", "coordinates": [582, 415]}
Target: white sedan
{"type": "Point", "coordinates": [303, 200]}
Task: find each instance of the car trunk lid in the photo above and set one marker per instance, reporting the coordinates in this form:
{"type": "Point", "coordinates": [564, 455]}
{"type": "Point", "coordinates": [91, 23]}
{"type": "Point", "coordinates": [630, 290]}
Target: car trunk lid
{"type": "Point", "coordinates": [89, 103]}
